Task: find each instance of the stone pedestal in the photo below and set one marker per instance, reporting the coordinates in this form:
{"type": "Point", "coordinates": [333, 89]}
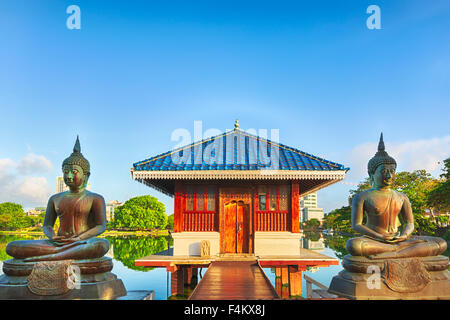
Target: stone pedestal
{"type": "Point", "coordinates": [89, 279]}
{"type": "Point", "coordinates": [407, 278]}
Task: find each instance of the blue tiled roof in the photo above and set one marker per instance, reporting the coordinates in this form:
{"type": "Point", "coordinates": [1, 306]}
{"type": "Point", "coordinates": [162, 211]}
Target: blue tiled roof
{"type": "Point", "coordinates": [235, 150]}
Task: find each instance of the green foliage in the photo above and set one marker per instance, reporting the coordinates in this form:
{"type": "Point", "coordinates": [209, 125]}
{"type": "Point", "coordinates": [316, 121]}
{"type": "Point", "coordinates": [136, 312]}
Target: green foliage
{"type": "Point", "coordinates": [447, 236]}
{"type": "Point", "coordinates": [312, 223]}
{"type": "Point", "coordinates": [5, 239]}
{"type": "Point", "coordinates": [140, 213]}
{"type": "Point", "coordinates": [312, 236]}
{"type": "Point", "coordinates": [416, 186]}
{"type": "Point", "coordinates": [439, 197]}
{"type": "Point", "coordinates": [127, 250]}
{"type": "Point", "coordinates": [170, 221]}
{"type": "Point", "coordinates": [339, 220]}
{"type": "Point", "coordinates": [12, 217]}
{"type": "Point", "coordinates": [337, 244]}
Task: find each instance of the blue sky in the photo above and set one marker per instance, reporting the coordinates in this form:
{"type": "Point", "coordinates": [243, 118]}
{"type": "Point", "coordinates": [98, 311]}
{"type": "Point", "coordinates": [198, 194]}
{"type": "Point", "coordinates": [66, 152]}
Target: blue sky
{"type": "Point", "coordinates": [138, 70]}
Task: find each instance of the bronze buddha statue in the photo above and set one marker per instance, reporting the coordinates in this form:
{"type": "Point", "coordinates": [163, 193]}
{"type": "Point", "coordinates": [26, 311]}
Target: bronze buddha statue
{"type": "Point", "coordinates": [82, 217]}
{"type": "Point", "coordinates": [383, 206]}
{"type": "Point", "coordinates": [387, 261]}
{"type": "Point", "coordinates": [73, 257]}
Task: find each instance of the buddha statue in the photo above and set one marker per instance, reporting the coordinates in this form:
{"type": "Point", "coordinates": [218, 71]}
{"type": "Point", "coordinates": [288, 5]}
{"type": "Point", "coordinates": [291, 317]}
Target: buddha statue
{"type": "Point", "coordinates": [49, 268]}
{"type": "Point", "coordinates": [387, 261]}
{"type": "Point", "coordinates": [82, 217]}
{"type": "Point", "coordinates": [383, 206]}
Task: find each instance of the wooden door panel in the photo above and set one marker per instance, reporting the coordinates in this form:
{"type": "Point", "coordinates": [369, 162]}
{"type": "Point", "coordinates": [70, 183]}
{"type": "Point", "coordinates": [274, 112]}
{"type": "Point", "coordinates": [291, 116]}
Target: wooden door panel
{"type": "Point", "coordinates": [230, 227]}
{"type": "Point", "coordinates": [242, 228]}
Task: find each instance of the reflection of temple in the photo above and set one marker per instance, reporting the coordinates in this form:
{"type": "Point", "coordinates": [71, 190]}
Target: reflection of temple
{"type": "Point", "coordinates": [313, 244]}
{"type": "Point", "coordinates": [237, 194]}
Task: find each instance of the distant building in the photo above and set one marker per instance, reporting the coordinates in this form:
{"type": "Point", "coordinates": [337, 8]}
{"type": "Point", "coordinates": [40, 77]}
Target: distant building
{"type": "Point", "coordinates": [309, 209]}
{"type": "Point", "coordinates": [61, 186]}
{"type": "Point", "coordinates": [434, 216]}
{"type": "Point", "coordinates": [110, 207]}
{"type": "Point", "coordinates": [35, 211]}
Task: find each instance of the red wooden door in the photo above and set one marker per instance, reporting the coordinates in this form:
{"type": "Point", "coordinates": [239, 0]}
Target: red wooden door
{"type": "Point", "coordinates": [230, 227]}
{"type": "Point", "coordinates": [236, 223]}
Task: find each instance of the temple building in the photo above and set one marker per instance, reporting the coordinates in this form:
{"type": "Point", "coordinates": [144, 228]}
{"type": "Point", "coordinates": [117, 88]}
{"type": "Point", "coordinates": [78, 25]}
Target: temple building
{"type": "Point", "coordinates": [237, 191]}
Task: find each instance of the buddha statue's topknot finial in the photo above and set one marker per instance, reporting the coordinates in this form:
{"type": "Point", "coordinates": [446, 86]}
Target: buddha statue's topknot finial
{"type": "Point", "coordinates": [77, 147]}
{"type": "Point", "coordinates": [381, 143]}
{"type": "Point", "coordinates": [77, 158]}
{"type": "Point", "coordinates": [381, 157]}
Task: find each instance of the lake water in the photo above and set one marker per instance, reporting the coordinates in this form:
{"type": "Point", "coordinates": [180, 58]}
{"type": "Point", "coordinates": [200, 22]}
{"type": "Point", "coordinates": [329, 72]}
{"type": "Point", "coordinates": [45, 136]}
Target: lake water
{"type": "Point", "coordinates": [124, 250]}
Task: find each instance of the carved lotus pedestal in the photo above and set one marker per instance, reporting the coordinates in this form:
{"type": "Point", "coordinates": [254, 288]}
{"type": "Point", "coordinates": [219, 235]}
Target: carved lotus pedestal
{"type": "Point", "coordinates": [66, 279]}
{"type": "Point", "coordinates": [407, 278]}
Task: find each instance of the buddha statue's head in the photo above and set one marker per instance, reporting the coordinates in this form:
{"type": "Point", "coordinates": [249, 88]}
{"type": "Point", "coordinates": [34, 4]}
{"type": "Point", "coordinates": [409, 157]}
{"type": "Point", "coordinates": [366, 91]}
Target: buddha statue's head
{"type": "Point", "coordinates": [76, 168]}
{"type": "Point", "coordinates": [381, 167]}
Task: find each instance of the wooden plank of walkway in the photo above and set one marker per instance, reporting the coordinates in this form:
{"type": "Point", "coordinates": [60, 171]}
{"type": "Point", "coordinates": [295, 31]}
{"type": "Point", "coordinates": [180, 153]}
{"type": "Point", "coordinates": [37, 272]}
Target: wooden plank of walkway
{"type": "Point", "coordinates": [234, 280]}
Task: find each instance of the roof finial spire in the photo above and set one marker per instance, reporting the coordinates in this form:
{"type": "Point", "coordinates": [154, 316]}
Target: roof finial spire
{"type": "Point", "coordinates": [236, 124]}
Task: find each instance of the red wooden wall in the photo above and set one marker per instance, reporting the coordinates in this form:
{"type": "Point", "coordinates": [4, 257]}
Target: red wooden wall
{"type": "Point", "coordinates": [264, 220]}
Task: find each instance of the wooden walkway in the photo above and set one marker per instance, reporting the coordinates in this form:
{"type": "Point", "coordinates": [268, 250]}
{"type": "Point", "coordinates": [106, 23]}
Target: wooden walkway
{"type": "Point", "coordinates": [234, 280]}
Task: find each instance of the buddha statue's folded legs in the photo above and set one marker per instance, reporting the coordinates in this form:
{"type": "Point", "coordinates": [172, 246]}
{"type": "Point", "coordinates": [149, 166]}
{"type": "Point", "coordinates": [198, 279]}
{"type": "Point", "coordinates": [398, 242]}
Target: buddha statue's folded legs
{"type": "Point", "coordinates": [416, 246]}
{"type": "Point", "coordinates": [47, 250]}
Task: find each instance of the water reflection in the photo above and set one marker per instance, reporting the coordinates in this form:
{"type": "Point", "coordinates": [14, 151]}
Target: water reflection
{"type": "Point", "coordinates": [128, 249]}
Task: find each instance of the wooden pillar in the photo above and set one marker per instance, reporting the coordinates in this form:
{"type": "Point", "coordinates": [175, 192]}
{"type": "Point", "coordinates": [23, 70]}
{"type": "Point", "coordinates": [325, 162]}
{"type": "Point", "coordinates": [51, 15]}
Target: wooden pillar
{"type": "Point", "coordinates": [178, 209]}
{"type": "Point", "coordinates": [194, 277]}
{"type": "Point", "coordinates": [187, 275]}
{"type": "Point", "coordinates": [284, 282]}
{"type": "Point", "coordinates": [278, 281]}
{"type": "Point", "coordinates": [295, 217]}
{"type": "Point", "coordinates": [295, 281]}
{"type": "Point", "coordinates": [177, 282]}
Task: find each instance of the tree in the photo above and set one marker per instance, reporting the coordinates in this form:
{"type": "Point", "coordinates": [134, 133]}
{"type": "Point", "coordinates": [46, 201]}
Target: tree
{"type": "Point", "coordinates": [339, 219]}
{"type": "Point", "coordinates": [12, 217]}
{"type": "Point", "coordinates": [140, 213]}
{"type": "Point", "coordinates": [312, 223]}
{"type": "Point", "coordinates": [439, 197]}
{"type": "Point", "coordinates": [416, 186]}
{"type": "Point", "coordinates": [170, 221]}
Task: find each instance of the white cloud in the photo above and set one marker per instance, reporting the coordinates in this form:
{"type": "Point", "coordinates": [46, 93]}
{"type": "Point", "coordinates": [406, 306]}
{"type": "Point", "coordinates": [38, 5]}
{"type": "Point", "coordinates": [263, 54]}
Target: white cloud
{"type": "Point", "coordinates": [19, 184]}
{"type": "Point", "coordinates": [34, 163]}
{"type": "Point", "coordinates": [427, 154]}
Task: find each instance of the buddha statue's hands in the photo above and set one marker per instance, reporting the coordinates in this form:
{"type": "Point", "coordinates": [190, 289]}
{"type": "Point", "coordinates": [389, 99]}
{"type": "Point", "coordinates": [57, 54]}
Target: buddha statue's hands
{"type": "Point", "coordinates": [62, 241]}
{"type": "Point", "coordinates": [397, 238]}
